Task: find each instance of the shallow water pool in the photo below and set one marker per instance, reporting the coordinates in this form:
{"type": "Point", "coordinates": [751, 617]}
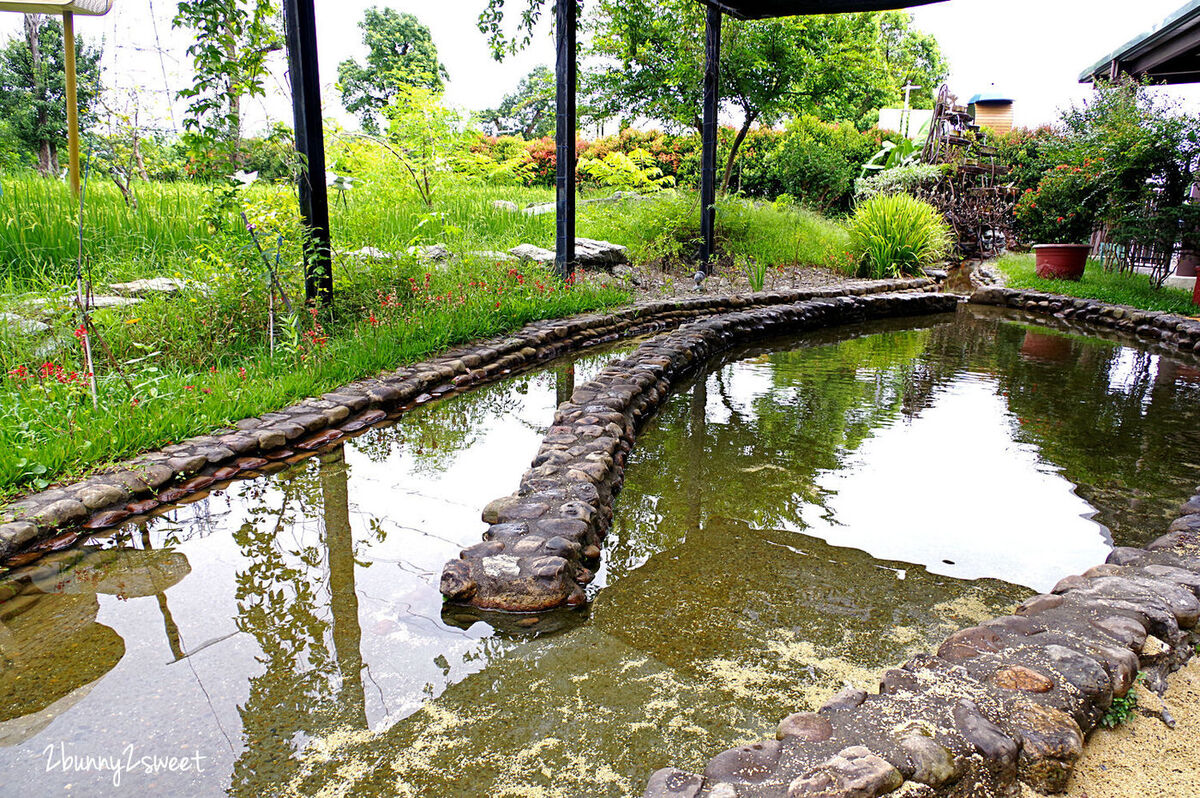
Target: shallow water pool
{"type": "Point", "coordinates": [804, 514]}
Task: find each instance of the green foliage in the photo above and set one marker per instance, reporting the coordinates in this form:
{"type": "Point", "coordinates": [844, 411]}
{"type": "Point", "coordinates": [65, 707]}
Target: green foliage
{"type": "Point", "coordinates": [528, 111]}
{"type": "Point", "coordinates": [833, 67]}
{"type": "Point", "coordinates": [229, 62]}
{"type": "Point", "coordinates": [424, 135]}
{"type": "Point", "coordinates": [815, 162]}
{"type": "Point", "coordinates": [1122, 708]}
{"type": "Point", "coordinates": [895, 234]}
{"type": "Point", "coordinates": [633, 172]}
{"type": "Point", "coordinates": [1060, 209]}
{"type": "Point", "coordinates": [665, 230]}
{"type": "Point", "coordinates": [401, 55]}
{"type": "Point", "coordinates": [1118, 288]}
{"type": "Point", "coordinates": [900, 180]}
{"type": "Point", "coordinates": [33, 89]}
{"type": "Point", "coordinates": [1029, 154]}
{"type": "Point", "coordinates": [1144, 151]}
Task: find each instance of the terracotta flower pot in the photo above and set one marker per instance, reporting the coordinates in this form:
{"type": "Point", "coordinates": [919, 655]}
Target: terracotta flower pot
{"type": "Point", "coordinates": [1061, 261]}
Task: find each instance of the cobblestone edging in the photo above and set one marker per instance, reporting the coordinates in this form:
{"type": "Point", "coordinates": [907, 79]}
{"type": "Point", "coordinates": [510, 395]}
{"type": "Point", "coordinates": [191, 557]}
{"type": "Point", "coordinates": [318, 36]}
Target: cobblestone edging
{"type": "Point", "coordinates": [1167, 329]}
{"type": "Point", "coordinates": [182, 470]}
{"type": "Point", "coordinates": [1009, 700]}
{"type": "Point", "coordinates": [544, 540]}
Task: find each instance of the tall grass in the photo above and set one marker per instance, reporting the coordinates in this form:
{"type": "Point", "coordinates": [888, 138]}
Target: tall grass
{"type": "Point", "coordinates": [666, 229]}
{"type": "Point", "coordinates": [897, 234]}
{"type": "Point", "coordinates": [39, 226]}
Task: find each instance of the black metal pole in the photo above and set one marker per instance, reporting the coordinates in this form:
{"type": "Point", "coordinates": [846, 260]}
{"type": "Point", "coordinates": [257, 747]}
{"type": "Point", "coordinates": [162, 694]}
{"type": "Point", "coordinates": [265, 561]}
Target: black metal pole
{"type": "Point", "coordinates": [301, 21]}
{"type": "Point", "coordinates": [567, 70]}
{"type": "Point", "coordinates": [708, 163]}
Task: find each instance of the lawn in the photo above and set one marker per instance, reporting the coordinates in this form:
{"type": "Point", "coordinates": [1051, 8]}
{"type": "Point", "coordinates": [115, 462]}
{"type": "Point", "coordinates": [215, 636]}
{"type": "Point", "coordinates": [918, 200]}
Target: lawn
{"type": "Point", "coordinates": [1135, 290]}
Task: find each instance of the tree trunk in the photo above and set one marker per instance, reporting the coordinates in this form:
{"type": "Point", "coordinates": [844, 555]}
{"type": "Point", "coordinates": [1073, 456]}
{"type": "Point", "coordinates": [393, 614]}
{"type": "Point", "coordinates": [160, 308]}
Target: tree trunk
{"type": "Point", "coordinates": [234, 118]}
{"type": "Point", "coordinates": [137, 149]}
{"type": "Point", "coordinates": [737, 142]}
{"type": "Point", "coordinates": [47, 160]}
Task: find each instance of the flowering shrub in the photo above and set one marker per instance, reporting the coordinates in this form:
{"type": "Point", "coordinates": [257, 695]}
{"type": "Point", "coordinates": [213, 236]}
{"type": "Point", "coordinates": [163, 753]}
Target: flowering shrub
{"type": "Point", "coordinates": [1061, 210]}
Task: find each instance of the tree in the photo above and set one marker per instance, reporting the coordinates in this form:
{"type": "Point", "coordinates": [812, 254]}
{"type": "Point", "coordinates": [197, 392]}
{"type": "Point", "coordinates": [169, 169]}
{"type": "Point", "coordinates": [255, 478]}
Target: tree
{"type": "Point", "coordinates": [912, 57]}
{"type": "Point", "coordinates": [229, 57]}
{"type": "Point", "coordinates": [33, 91]}
{"type": "Point", "coordinates": [528, 111]}
{"type": "Point", "coordinates": [401, 54]}
{"type": "Point", "coordinates": [834, 67]}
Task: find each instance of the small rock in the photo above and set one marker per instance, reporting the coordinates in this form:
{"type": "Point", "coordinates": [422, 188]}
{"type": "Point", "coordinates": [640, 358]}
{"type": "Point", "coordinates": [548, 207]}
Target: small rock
{"type": "Point", "coordinates": [505, 205]}
{"type": "Point", "coordinates": [673, 783]}
{"type": "Point", "coordinates": [498, 257]}
{"type": "Point", "coordinates": [854, 773]}
{"type": "Point", "coordinates": [433, 252]}
{"type": "Point", "coordinates": [10, 322]}
{"type": "Point", "coordinates": [532, 253]}
{"type": "Point", "coordinates": [932, 763]}
{"type": "Point", "coordinates": [807, 726]}
{"type": "Point", "coordinates": [372, 252]}
{"type": "Point", "coordinates": [154, 285]}
{"type": "Point", "coordinates": [539, 209]}
{"type": "Point", "coordinates": [1018, 677]}
{"type": "Point", "coordinates": [590, 253]}
{"type": "Point", "coordinates": [100, 495]}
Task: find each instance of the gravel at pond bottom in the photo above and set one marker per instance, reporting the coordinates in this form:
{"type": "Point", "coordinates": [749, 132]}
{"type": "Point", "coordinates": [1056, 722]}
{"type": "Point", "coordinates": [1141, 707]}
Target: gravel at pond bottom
{"type": "Point", "coordinates": [1143, 756]}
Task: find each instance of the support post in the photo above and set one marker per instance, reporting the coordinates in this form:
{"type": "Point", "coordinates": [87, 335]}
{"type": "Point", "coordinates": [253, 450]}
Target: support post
{"type": "Point", "coordinates": [708, 163]}
{"type": "Point", "coordinates": [301, 21]}
{"type": "Point", "coordinates": [564, 136]}
{"type": "Point", "coordinates": [72, 100]}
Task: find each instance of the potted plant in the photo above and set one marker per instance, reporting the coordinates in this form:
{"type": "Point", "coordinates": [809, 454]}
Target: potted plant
{"type": "Point", "coordinates": [1058, 217]}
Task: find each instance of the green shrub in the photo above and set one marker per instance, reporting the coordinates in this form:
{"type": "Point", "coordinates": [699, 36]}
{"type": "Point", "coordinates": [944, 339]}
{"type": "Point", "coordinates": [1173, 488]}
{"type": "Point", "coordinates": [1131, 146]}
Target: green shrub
{"type": "Point", "coordinates": [817, 163]}
{"type": "Point", "coordinates": [1060, 209]}
{"type": "Point", "coordinates": [900, 180]}
{"type": "Point", "coordinates": [897, 234]}
{"type": "Point", "coordinates": [1029, 154]}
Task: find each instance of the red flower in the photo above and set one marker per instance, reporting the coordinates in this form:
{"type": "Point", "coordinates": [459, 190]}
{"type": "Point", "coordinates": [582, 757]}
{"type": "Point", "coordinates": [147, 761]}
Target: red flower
{"type": "Point", "coordinates": [81, 332]}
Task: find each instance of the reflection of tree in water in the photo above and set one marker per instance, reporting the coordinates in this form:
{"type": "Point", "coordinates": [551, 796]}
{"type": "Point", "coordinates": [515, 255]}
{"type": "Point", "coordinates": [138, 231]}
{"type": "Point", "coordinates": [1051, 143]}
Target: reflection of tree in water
{"type": "Point", "coordinates": [311, 679]}
{"type": "Point", "coordinates": [759, 462]}
{"type": "Point", "coordinates": [435, 434]}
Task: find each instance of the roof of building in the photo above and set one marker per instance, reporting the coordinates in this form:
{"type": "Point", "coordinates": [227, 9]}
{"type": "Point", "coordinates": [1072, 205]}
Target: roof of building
{"type": "Point", "coordinates": [1169, 52]}
{"type": "Point", "coordinates": [90, 8]}
{"type": "Point", "coordinates": [990, 96]}
{"type": "Point", "coordinates": [763, 9]}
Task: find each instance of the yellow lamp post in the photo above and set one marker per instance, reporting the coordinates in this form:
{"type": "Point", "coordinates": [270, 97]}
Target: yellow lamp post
{"type": "Point", "coordinates": [68, 9]}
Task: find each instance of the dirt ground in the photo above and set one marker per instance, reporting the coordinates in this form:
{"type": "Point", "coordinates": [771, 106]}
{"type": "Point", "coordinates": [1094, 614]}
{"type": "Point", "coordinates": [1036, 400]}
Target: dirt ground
{"type": "Point", "coordinates": [1143, 757]}
{"type": "Point", "coordinates": [650, 282]}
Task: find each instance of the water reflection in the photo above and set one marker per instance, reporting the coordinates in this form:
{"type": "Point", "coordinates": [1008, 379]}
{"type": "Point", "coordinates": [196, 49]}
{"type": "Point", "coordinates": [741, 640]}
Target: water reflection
{"type": "Point", "coordinates": [309, 652]}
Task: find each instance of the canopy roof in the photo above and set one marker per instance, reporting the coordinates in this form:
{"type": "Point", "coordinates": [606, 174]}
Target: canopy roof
{"type": "Point", "coordinates": [1169, 53]}
{"type": "Point", "coordinates": [88, 8]}
{"type": "Point", "coordinates": [763, 9]}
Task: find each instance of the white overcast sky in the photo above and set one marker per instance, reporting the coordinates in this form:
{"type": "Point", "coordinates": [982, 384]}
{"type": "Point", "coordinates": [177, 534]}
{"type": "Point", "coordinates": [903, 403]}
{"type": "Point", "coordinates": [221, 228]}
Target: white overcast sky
{"type": "Point", "coordinates": [1032, 50]}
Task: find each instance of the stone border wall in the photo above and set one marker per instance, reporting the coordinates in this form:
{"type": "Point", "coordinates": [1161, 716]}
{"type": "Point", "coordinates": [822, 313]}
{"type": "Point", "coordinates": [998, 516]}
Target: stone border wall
{"type": "Point", "coordinates": [1167, 329]}
{"type": "Point", "coordinates": [1013, 699]}
{"type": "Point", "coordinates": [544, 541]}
{"type": "Point", "coordinates": [180, 471]}
{"type": "Point", "coordinates": [1009, 700]}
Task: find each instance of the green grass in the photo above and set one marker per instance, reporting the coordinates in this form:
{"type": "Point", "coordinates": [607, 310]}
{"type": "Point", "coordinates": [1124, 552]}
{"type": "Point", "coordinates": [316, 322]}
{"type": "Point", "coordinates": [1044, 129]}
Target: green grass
{"type": "Point", "coordinates": [666, 230]}
{"type": "Point", "coordinates": [1135, 290]}
{"type": "Point", "coordinates": [187, 382]}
